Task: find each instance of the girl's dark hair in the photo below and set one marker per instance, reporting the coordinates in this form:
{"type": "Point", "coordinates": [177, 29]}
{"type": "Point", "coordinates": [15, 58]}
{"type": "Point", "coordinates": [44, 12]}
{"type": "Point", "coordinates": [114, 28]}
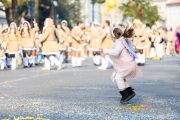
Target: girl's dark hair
{"type": "Point", "coordinates": [79, 22]}
{"type": "Point", "coordinates": [22, 30]}
{"type": "Point", "coordinates": [108, 22]}
{"type": "Point", "coordinates": [117, 33]}
{"type": "Point", "coordinates": [128, 32]}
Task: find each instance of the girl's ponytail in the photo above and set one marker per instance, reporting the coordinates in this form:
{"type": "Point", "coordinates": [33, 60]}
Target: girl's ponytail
{"type": "Point", "coordinates": [128, 31]}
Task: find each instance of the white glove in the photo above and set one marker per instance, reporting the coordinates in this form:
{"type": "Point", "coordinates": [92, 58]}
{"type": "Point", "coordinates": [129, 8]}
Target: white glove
{"type": "Point", "coordinates": [61, 41]}
{"type": "Point", "coordinates": [40, 35]}
{"type": "Point", "coordinates": [66, 43]}
{"type": "Point", "coordinates": [35, 24]}
{"type": "Point", "coordinates": [77, 38]}
{"type": "Point", "coordinates": [40, 45]}
{"type": "Point", "coordinates": [88, 39]}
{"type": "Point", "coordinates": [97, 40]}
{"type": "Point", "coordinates": [143, 38]}
{"type": "Point", "coordinates": [105, 50]}
{"type": "Point", "coordinates": [3, 44]}
{"type": "Point", "coordinates": [32, 44]}
{"type": "Point", "coordinates": [36, 42]}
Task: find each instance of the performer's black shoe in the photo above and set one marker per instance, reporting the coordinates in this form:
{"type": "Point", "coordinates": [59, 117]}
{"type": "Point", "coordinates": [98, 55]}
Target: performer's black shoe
{"type": "Point", "coordinates": [131, 92]}
{"type": "Point", "coordinates": [30, 65]}
{"type": "Point", "coordinates": [66, 61]}
{"type": "Point", "coordinates": [142, 64]}
{"type": "Point", "coordinates": [125, 96]}
{"type": "Point", "coordinates": [36, 64]}
{"type": "Point", "coordinates": [139, 64]}
{"type": "Point", "coordinates": [25, 66]}
{"type": "Point", "coordinates": [8, 66]}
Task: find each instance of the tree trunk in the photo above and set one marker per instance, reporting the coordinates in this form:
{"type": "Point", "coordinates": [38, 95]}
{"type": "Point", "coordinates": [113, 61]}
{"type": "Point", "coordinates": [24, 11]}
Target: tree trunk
{"type": "Point", "coordinates": [52, 10]}
{"type": "Point", "coordinates": [37, 10]}
{"type": "Point", "coordinates": [15, 11]}
{"type": "Point", "coordinates": [9, 15]}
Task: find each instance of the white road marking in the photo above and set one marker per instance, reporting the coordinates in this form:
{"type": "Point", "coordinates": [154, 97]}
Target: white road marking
{"type": "Point", "coordinates": [20, 79]}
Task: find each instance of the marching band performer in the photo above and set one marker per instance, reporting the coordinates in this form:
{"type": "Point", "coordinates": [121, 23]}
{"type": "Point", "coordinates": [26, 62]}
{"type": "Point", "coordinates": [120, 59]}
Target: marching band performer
{"type": "Point", "coordinates": [95, 42]}
{"type": "Point", "coordinates": [3, 37]}
{"type": "Point", "coordinates": [50, 45]}
{"type": "Point", "coordinates": [140, 40]}
{"type": "Point", "coordinates": [13, 44]}
{"type": "Point", "coordinates": [2, 55]}
{"type": "Point", "coordinates": [170, 48]}
{"type": "Point", "coordinates": [35, 53]}
{"type": "Point", "coordinates": [77, 39]}
{"type": "Point", "coordinates": [158, 45]}
{"type": "Point", "coordinates": [62, 38]}
{"type": "Point", "coordinates": [106, 43]}
{"type": "Point", "coordinates": [67, 31]}
{"type": "Point", "coordinates": [27, 44]}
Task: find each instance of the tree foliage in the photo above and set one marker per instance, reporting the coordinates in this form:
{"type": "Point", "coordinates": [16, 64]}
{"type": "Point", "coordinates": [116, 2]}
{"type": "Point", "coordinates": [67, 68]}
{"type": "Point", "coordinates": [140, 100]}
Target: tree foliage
{"type": "Point", "coordinates": [70, 10]}
{"type": "Point", "coordinates": [67, 10]}
{"type": "Point", "coordinates": [140, 9]}
{"type": "Point", "coordinates": [98, 1]}
{"type": "Point", "coordinates": [14, 9]}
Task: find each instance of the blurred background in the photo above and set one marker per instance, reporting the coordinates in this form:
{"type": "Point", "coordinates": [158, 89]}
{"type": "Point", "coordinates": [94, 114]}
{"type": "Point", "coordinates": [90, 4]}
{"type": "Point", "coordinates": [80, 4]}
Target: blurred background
{"type": "Point", "coordinates": [164, 13]}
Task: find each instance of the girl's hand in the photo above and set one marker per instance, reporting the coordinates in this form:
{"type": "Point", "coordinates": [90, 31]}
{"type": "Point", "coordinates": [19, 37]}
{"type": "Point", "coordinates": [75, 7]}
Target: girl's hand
{"type": "Point", "coordinates": [100, 49]}
{"type": "Point", "coordinates": [105, 50]}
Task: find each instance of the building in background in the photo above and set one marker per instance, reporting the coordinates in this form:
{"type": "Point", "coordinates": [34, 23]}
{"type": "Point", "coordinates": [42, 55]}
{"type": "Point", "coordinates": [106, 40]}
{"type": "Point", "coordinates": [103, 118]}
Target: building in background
{"type": "Point", "coordinates": [2, 15]}
{"type": "Point", "coordinates": [101, 13]}
{"type": "Point", "coordinates": [87, 12]}
{"type": "Point", "coordinates": [173, 14]}
{"type": "Point", "coordinates": [161, 4]}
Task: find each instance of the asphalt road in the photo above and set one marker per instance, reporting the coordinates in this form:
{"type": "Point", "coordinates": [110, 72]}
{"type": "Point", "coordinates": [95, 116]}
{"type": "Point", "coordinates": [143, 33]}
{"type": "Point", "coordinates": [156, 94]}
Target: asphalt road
{"type": "Point", "coordinates": [87, 93]}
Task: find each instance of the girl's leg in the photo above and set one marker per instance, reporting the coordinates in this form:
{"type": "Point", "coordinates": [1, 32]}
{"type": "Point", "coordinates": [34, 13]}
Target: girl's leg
{"type": "Point", "coordinates": [36, 57]}
{"type": "Point", "coordinates": [56, 61]}
{"type": "Point", "coordinates": [8, 62]}
{"type": "Point", "coordinates": [25, 60]}
{"type": "Point", "coordinates": [104, 62]}
{"type": "Point", "coordinates": [61, 56]}
{"type": "Point", "coordinates": [14, 62]}
{"type": "Point", "coordinates": [123, 91]}
{"type": "Point", "coordinates": [97, 58]}
{"type": "Point", "coordinates": [73, 58]}
{"type": "Point", "coordinates": [30, 57]}
{"type": "Point", "coordinates": [47, 65]}
{"type": "Point", "coordinates": [79, 58]}
{"type": "Point", "coordinates": [2, 64]}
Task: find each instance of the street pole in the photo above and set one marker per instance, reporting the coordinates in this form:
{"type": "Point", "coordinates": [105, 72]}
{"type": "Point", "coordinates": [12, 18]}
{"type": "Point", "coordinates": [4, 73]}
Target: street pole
{"type": "Point", "coordinates": [93, 2]}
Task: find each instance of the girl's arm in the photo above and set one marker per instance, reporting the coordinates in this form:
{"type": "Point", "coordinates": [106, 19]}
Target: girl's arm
{"type": "Point", "coordinates": [44, 35]}
{"type": "Point", "coordinates": [116, 51]}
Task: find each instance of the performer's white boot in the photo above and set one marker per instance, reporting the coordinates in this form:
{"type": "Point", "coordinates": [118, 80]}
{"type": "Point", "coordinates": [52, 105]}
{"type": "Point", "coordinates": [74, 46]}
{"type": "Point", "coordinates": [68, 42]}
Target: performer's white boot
{"type": "Point", "coordinates": [8, 62]}
{"type": "Point", "coordinates": [74, 61]}
{"type": "Point", "coordinates": [14, 64]}
{"type": "Point", "coordinates": [61, 57]}
{"type": "Point", "coordinates": [79, 61]}
{"type": "Point", "coordinates": [94, 59]}
{"type": "Point", "coordinates": [98, 60]}
{"type": "Point", "coordinates": [25, 61]}
{"type": "Point", "coordinates": [143, 59]}
{"type": "Point", "coordinates": [56, 62]}
{"type": "Point", "coordinates": [36, 60]}
{"type": "Point", "coordinates": [110, 62]}
{"type": "Point", "coordinates": [104, 64]}
{"type": "Point", "coordinates": [2, 64]}
{"type": "Point", "coordinates": [30, 60]}
{"type": "Point", "coordinates": [47, 65]}
{"type": "Point", "coordinates": [138, 59]}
